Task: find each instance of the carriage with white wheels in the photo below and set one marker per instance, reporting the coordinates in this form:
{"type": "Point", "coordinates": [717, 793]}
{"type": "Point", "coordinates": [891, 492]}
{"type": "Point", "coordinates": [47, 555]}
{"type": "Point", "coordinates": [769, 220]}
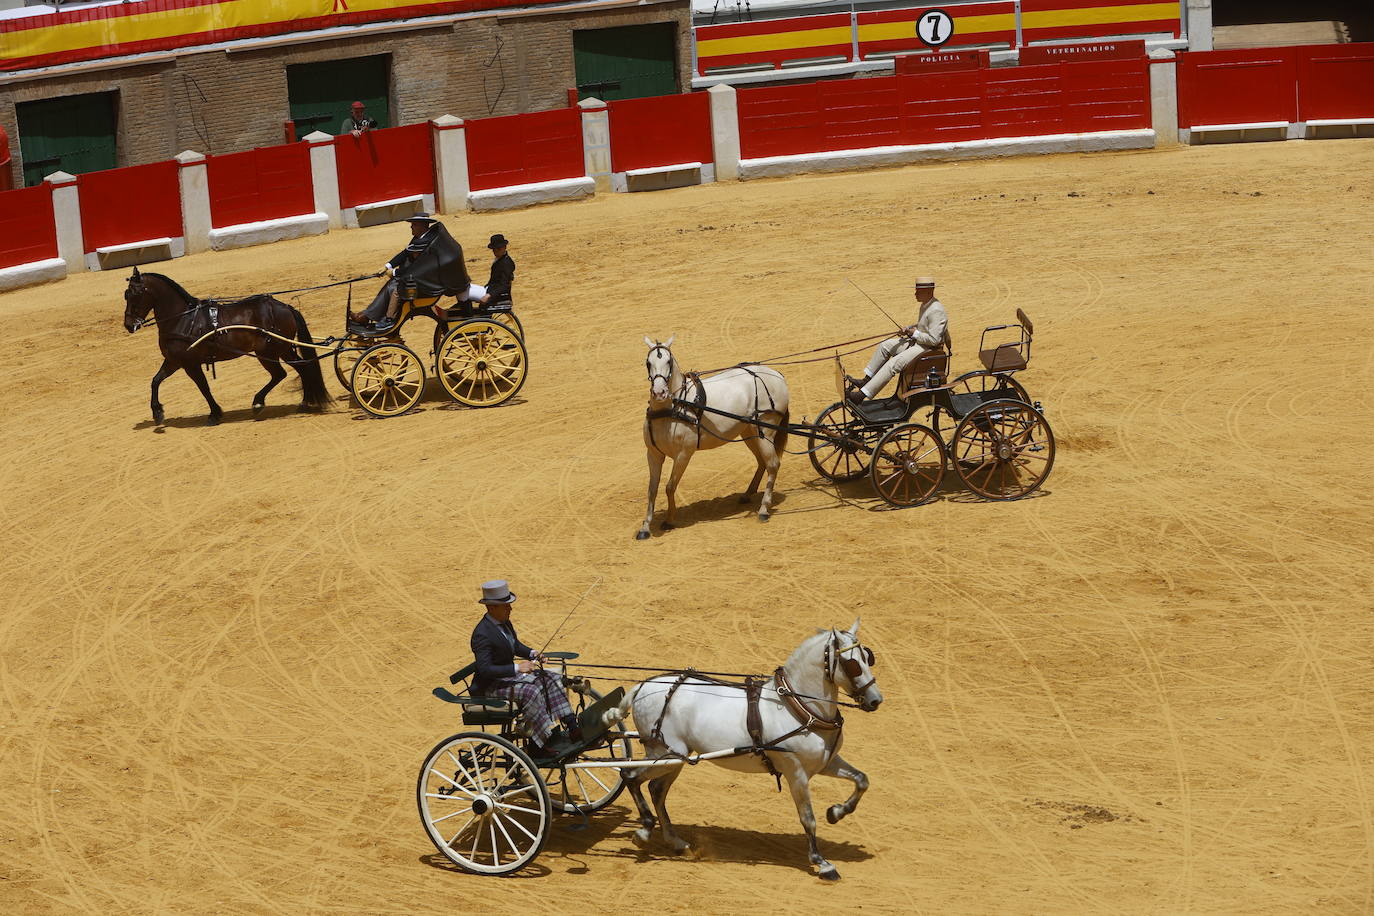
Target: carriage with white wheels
{"type": "Point", "coordinates": [983, 424]}
{"type": "Point", "coordinates": [479, 357]}
{"type": "Point", "coordinates": [488, 804]}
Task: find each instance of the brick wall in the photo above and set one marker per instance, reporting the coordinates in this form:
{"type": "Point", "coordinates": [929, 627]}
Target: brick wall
{"type": "Point", "coordinates": [218, 102]}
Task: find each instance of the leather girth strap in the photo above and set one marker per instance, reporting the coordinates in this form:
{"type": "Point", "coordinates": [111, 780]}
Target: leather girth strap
{"type": "Point", "coordinates": [753, 721]}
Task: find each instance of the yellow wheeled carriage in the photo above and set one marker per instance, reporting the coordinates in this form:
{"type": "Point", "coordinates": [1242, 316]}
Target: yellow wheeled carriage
{"type": "Point", "coordinates": [479, 358]}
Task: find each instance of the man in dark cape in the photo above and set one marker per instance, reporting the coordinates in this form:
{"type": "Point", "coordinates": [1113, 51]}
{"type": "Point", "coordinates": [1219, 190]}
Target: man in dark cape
{"type": "Point", "coordinates": [430, 266]}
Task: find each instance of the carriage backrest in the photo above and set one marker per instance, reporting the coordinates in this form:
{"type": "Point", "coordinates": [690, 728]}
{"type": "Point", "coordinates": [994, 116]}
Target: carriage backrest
{"type": "Point", "coordinates": [1007, 355]}
{"type": "Point", "coordinates": [916, 376]}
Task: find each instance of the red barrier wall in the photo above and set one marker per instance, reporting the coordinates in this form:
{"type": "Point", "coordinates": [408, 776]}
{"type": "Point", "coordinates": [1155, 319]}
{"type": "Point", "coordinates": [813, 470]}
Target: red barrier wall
{"type": "Point", "coordinates": [664, 130]}
{"type": "Point", "coordinates": [1244, 86]}
{"type": "Point", "coordinates": [1336, 82]}
{"type": "Point", "coordinates": [524, 148]}
{"type": "Point", "coordinates": [945, 107]}
{"type": "Point", "coordinates": [27, 232]}
{"type": "Point", "coordinates": [260, 184]}
{"type": "Point", "coordinates": [130, 204]}
{"type": "Point", "coordinates": [385, 164]}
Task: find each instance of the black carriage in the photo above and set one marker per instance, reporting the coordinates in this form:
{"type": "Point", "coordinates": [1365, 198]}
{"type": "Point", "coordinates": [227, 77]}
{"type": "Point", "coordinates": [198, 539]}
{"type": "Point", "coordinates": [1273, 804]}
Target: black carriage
{"type": "Point", "coordinates": [983, 424]}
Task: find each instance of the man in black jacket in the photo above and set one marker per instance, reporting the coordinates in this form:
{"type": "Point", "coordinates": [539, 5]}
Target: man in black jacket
{"type": "Point", "coordinates": [430, 266]}
{"type": "Point", "coordinates": [502, 271]}
{"type": "Point", "coordinates": [539, 693]}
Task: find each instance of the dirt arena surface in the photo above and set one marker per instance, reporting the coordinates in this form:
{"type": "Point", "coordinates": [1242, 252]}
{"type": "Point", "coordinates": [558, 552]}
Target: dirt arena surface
{"type": "Point", "coordinates": [1145, 690]}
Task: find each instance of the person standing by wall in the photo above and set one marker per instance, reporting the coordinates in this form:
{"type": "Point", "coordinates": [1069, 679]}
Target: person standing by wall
{"type": "Point", "coordinates": [358, 121]}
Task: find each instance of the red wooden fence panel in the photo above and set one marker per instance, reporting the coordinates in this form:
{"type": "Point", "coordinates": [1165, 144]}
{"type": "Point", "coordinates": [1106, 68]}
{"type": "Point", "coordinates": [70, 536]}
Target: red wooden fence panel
{"type": "Point", "coordinates": [27, 231]}
{"type": "Point", "coordinates": [1023, 102]}
{"type": "Point", "coordinates": [662, 130]}
{"type": "Point", "coordinates": [1336, 82]}
{"type": "Point", "coordinates": [131, 204]}
{"type": "Point", "coordinates": [1244, 86]}
{"type": "Point", "coordinates": [942, 107]}
{"type": "Point", "coordinates": [1106, 95]}
{"type": "Point", "coordinates": [524, 148]}
{"type": "Point", "coordinates": [261, 184]}
{"type": "Point", "coordinates": [385, 164]}
{"type": "Point", "coordinates": [779, 120]}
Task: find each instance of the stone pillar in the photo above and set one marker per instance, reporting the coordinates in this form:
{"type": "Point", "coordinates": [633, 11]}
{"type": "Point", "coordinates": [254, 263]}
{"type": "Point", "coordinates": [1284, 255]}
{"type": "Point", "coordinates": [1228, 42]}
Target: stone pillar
{"type": "Point", "coordinates": [725, 131]}
{"type": "Point", "coordinates": [451, 184]}
{"type": "Point", "coordinates": [324, 175]}
{"type": "Point", "coordinates": [66, 212]}
{"type": "Point", "coordinates": [1164, 97]}
{"type": "Point", "coordinates": [1199, 25]}
{"type": "Point", "coordinates": [195, 200]}
{"type": "Point", "coordinates": [596, 141]}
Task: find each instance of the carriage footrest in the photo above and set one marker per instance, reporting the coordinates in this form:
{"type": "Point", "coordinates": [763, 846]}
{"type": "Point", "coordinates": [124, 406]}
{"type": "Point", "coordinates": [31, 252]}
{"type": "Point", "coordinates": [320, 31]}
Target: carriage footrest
{"type": "Point", "coordinates": [883, 411]}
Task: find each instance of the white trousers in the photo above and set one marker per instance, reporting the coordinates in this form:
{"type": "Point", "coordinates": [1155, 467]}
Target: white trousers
{"type": "Point", "coordinates": [474, 293]}
{"type": "Point", "coordinates": [892, 356]}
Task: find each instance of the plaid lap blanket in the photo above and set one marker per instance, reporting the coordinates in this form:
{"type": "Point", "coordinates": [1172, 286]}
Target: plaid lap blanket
{"type": "Point", "coordinates": [540, 697]}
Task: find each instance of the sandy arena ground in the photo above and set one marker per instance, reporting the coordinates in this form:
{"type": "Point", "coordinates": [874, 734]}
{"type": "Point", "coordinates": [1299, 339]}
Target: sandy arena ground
{"type": "Point", "coordinates": [1146, 690]}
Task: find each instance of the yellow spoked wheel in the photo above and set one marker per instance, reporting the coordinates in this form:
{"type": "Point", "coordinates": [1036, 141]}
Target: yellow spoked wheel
{"type": "Point", "coordinates": [481, 363]}
{"type": "Point", "coordinates": [388, 380]}
{"type": "Point", "coordinates": [509, 320]}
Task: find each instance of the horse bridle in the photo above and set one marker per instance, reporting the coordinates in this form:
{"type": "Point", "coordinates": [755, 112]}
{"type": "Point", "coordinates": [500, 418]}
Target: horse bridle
{"type": "Point", "coordinates": [835, 658]}
{"type": "Point", "coordinates": [667, 379]}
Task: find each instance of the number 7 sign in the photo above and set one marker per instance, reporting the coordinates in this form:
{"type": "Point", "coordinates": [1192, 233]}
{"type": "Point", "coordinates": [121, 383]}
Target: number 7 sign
{"type": "Point", "coordinates": [935, 27]}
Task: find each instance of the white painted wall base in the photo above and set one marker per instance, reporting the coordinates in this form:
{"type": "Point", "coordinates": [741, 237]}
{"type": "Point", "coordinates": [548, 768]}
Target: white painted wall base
{"type": "Point", "coordinates": [682, 175]}
{"type": "Point", "coordinates": [387, 211]}
{"type": "Point", "coordinates": [848, 160]}
{"type": "Point", "coordinates": [1339, 129]}
{"type": "Point", "coordinates": [33, 272]}
{"type": "Point", "coordinates": [524, 195]}
{"type": "Point", "coordinates": [272, 230]}
{"type": "Point", "coordinates": [1258, 132]}
{"type": "Point", "coordinates": [113, 257]}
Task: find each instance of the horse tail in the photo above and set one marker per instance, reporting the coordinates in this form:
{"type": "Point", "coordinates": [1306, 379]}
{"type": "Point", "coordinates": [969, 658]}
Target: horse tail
{"type": "Point", "coordinates": [617, 713]}
{"type": "Point", "coordinates": [314, 396]}
{"type": "Point", "coordinates": [780, 437]}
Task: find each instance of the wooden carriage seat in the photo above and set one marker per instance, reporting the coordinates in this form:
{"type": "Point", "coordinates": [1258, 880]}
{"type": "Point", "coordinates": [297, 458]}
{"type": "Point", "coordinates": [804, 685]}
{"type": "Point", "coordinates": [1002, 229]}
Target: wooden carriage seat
{"type": "Point", "coordinates": [477, 710]}
{"type": "Point", "coordinates": [913, 377]}
{"type": "Point", "coordinates": [1003, 357]}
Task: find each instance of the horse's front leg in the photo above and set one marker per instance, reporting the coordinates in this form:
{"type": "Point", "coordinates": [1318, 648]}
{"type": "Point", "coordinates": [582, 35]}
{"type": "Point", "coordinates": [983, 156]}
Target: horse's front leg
{"type": "Point", "coordinates": [800, 784]}
{"type": "Point", "coordinates": [197, 375]}
{"type": "Point", "coordinates": [655, 474]}
{"type": "Point", "coordinates": [842, 769]}
{"type": "Point", "coordinates": [167, 369]}
{"type": "Point", "coordinates": [680, 462]}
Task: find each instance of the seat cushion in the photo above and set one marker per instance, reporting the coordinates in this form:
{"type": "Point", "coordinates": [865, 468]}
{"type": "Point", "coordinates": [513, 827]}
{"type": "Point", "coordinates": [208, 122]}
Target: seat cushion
{"type": "Point", "coordinates": [1002, 357]}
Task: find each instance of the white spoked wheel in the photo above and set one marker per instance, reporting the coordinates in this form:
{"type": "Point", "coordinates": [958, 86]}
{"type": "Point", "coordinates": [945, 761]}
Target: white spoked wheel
{"type": "Point", "coordinates": [483, 803]}
{"type": "Point", "coordinates": [481, 363]}
{"type": "Point", "coordinates": [579, 791]}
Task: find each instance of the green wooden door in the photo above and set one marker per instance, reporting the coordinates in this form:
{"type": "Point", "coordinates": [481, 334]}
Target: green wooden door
{"type": "Point", "coordinates": [629, 62]}
{"type": "Point", "coordinates": [320, 94]}
{"type": "Point", "coordinates": [75, 134]}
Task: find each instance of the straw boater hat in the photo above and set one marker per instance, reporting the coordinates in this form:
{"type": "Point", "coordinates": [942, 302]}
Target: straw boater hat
{"type": "Point", "coordinates": [924, 281]}
{"type": "Point", "coordinates": [497, 591]}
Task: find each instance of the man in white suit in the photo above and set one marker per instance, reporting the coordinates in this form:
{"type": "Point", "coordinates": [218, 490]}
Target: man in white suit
{"type": "Point", "coordinates": [930, 332]}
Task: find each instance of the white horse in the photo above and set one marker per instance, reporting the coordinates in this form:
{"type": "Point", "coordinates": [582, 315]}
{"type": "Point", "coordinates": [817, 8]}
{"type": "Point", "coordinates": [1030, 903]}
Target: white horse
{"type": "Point", "coordinates": [798, 722]}
{"type": "Point", "coordinates": [674, 428]}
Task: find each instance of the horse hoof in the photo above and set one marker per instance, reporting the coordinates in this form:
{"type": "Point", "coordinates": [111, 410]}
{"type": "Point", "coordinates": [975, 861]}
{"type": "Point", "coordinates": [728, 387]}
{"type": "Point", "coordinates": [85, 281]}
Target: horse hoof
{"type": "Point", "coordinates": [641, 535]}
{"type": "Point", "coordinates": [159, 417]}
{"type": "Point", "coordinates": [258, 408]}
{"type": "Point", "coordinates": [834, 813]}
{"type": "Point", "coordinates": [829, 874]}
{"type": "Point", "coordinates": [212, 421]}
{"type": "Point", "coordinates": [640, 838]}
{"type": "Point", "coordinates": [764, 516]}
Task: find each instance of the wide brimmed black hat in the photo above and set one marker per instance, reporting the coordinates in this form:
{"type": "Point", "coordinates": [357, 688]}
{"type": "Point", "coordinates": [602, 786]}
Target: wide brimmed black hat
{"type": "Point", "coordinates": [420, 217]}
{"type": "Point", "coordinates": [497, 241]}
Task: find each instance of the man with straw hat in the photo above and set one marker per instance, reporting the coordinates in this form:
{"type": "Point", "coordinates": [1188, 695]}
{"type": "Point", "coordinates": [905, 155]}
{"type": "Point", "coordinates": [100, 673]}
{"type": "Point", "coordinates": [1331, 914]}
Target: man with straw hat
{"type": "Point", "coordinates": [930, 332]}
{"type": "Point", "coordinates": [538, 693]}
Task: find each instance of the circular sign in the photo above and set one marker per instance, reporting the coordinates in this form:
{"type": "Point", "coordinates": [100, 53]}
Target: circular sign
{"type": "Point", "coordinates": [935, 27]}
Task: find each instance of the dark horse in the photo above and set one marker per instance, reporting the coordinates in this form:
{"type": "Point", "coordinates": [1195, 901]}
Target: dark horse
{"type": "Point", "coordinates": [182, 319]}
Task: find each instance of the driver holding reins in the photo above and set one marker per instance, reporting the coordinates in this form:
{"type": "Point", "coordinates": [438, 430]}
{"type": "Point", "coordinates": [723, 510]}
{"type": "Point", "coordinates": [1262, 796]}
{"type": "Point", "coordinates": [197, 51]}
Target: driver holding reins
{"type": "Point", "coordinates": [538, 693]}
{"type": "Point", "coordinates": [930, 332]}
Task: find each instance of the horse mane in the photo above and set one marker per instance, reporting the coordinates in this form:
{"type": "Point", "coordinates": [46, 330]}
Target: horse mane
{"type": "Point", "coordinates": [176, 287]}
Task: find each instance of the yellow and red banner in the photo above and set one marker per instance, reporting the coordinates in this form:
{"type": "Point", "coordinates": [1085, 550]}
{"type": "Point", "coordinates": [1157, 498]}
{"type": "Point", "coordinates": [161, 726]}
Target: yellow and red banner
{"type": "Point", "coordinates": [990, 24]}
{"type": "Point", "coordinates": [161, 25]}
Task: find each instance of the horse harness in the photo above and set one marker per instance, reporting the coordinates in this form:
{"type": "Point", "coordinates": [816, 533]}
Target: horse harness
{"type": "Point", "coordinates": [691, 411]}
